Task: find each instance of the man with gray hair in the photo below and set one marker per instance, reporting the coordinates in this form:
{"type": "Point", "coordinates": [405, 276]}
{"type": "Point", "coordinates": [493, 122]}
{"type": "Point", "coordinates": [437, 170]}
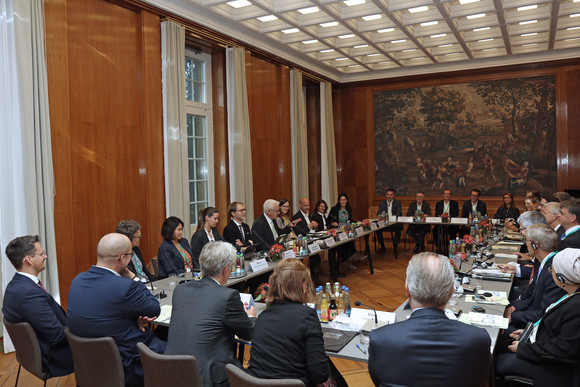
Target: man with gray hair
{"type": "Point", "coordinates": [429, 348]}
{"type": "Point", "coordinates": [206, 315]}
{"type": "Point", "coordinates": [551, 211]}
{"type": "Point", "coordinates": [265, 228]}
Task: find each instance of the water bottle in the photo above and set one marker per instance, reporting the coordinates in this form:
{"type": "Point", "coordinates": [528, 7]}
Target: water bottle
{"type": "Point", "coordinates": [318, 301]}
{"type": "Point", "coordinates": [347, 302]}
{"type": "Point", "coordinates": [452, 249]}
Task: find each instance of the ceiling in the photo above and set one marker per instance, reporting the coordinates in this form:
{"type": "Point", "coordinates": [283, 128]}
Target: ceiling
{"type": "Point", "coordinates": [386, 38]}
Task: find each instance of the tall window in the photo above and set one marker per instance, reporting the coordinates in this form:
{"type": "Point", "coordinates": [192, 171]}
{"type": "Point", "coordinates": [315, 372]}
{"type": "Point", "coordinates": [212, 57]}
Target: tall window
{"type": "Point", "coordinates": [198, 112]}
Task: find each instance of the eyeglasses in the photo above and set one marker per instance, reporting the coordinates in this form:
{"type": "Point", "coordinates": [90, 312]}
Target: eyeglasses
{"type": "Point", "coordinates": [42, 254]}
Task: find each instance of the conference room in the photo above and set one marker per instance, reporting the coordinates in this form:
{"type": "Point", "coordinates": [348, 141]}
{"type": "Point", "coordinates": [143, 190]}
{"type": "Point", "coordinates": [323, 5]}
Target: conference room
{"type": "Point", "coordinates": [94, 135]}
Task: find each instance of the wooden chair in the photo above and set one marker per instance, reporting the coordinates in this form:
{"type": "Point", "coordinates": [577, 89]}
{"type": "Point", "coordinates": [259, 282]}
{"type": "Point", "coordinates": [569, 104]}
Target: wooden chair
{"type": "Point", "coordinates": [239, 378]}
{"type": "Point", "coordinates": [169, 370]}
{"type": "Point", "coordinates": [27, 348]}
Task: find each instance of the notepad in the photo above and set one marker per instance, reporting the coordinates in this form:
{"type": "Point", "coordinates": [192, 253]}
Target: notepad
{"type": "Point", "coordinates": [165, 314]}
{"type": "Point", "coordinates": [484, 320]}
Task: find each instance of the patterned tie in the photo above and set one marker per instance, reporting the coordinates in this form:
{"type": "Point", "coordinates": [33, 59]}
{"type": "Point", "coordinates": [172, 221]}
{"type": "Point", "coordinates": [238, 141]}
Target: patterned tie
{"type": "Point", "coordinates": [242, 233]}
{"type": "Point", "coordinates": [531, 276]}
{"type": "Point", "coordinates": [274, 233]}
{"type": "Point", "coordinates": [42, 286]}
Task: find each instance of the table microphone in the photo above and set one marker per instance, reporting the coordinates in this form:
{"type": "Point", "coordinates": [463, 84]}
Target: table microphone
{"type": "Point", "coordinates": [358, 303]}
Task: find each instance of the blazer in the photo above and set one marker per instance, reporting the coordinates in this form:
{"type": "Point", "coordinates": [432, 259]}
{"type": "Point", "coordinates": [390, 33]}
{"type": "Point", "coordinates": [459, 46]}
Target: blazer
{"type": "Point", "coordinates": [453, 208]}
{"type": "Point", "coordinates": [204, 319]}
{"type": "Point", "coordinates": [396, 209]}
{"type": "Point", "coordinates": [505, 212]}
{"type": "Point", "coordinates": [560, 230]}
{"type": "Point", "coordinates": [288, 344]}
{"type": "Point", "coordinates": [333, 214]}
{"type": "Point", "coordinates": [232, 232]}
{"type": "Point", "coordinates": [200, 239]}
{"type": "Point", "coordinates": [25, 301]}
{"type": "Point", "coordinates": [425, 207]}
{"type": "Point", "coordinates": [534, 302]}
{"type": "Point", "coordinates": [131, 266]}
{"type": "Point", "coordinates": [101, 303]}
{"type": "Point", "coordinates": [170, 259]}
{"type": "Point", "coordinates": [467, 209]}
{"type": "Point", "coordinates": [572, 240]}
{"type": "Point", "coordinates": [317, 217]}
{"type": "Point", "coordinates": [262, 232]}
{"type": "Point", "coordinates": [301, 227]}
{"type": "Point", "coordinates": [428, 349]}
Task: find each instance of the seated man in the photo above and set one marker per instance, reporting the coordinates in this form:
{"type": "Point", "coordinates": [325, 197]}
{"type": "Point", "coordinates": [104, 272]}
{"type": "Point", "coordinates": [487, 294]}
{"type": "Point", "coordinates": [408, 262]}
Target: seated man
{"type": "Point", "coordinates": [451, 208]}
{"type": "Point", "coordinates": [418, 231]}
{"type": "Point", "coordinates": [473, 205]}
{"type": "Point", "coordinates": [26, 300]}
{"type": "Point", "coordinates": [429, 349]}
{"type": "Point", "coordinates": [390, 207]}
{"type": "Point", "coordinates": [109, 300]}
{"type": "Point", "coordinates": [265, 230]}
{"type": "Point", "coordinates": [206, 315]}
{"type": "Point", "coordinates": [570, 219]}
{"type": "Point", "coordinates": [237, 232]}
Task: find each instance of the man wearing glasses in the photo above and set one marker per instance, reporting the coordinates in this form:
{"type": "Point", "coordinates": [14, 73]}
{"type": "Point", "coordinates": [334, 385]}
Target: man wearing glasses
{"type": "Point", "coordinates": [26, 300]}
{"type": "Point", "coordinates": [237, 232]}
{"type": "Point", "coordinates": [109, 300]}
{"type": "Point", "coordinates": [265, 229]}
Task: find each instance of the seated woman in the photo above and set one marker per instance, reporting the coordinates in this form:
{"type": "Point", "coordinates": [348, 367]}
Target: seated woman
{"type": "Point", "coordinates": [287, 341]}
{"type": "Point", "coordinates": [206, 232]}
{"type": "Point", "coordinates": [174, 254]}
{"type": "Point", "coordinates": [342, 214]}
{"type": "Point", "coordinates": [532, 204]}
{"type": "Point", "coordinates": [284, 216]}
{"type": "Point", "coordinates": [320, 217]}
{"type": "Point", "coordinates": [132, 230]}
{"type": "Point", "coordinates": [556, 334]}
{"type": "Point", "coordinates": [507, 210]}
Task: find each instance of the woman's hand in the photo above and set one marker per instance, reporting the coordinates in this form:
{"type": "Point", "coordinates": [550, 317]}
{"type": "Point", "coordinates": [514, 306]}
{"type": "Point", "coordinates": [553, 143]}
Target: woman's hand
{"type": "Point", "coordinates": [514, 347]}
{"type": "Point", "coordinates": [516, 334]}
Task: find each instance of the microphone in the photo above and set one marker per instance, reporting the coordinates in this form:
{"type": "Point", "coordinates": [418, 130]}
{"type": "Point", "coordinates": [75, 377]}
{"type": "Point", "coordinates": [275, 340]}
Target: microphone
{"type": "Point", "coordinates": [358, 303]}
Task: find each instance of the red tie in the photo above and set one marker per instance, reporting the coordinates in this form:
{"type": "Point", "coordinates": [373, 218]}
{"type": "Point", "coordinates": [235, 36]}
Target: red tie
{"type": "Point", "coordinates": [42, 286]}
{"type": "Point", "coordinates": [531, 276]}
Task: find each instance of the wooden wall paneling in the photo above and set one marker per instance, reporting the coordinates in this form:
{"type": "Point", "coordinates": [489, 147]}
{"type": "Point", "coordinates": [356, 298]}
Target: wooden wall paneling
{"type": "Point", "coordinates": [314, 141]}
{"type": "Point", "coordinates": [220, 134]}
{"type": "Point", "coordinates": [568, 116]}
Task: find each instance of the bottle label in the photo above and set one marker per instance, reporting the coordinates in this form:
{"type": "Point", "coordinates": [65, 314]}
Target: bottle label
{"type": "Point", "coordinates": [324, 315]}
{"type": "Point", "coordinates": [333, 314]}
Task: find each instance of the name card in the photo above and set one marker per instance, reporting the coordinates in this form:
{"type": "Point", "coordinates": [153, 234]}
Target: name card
{"type": "Point", "coordinates": [373, 226]}
{"type": "Point", "coordinates": [342, 236]}
{"type": "Point", "coordinates": [330, 241]}
{"type": "Point", "coordinates": [459, 220]}
{"type": "Point", "coordinates": [258, 265]}
{"type": "Point", "coordinates": [405, 219]}
{"type": "Point", "coordinates": [289, 254]}
{"type": "Point", "coordinates": [381, 223]}
{"type": "Point", "coordinates": [392, 218]}
{"type": "Point", "coordinates": [359, 231]}
{"type": "Point", "coordinates": [433, 219]}
{"type": "Point", "coordinates": [314, 248]}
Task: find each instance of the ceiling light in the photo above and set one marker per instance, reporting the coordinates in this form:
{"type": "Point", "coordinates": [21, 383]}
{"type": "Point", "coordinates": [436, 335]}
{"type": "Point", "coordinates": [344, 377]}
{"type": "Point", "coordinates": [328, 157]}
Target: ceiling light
{"type": "Point", "coordinates": [310, 41]}
{"type": "Point", "coordinates": [409, 50]}
{"type": "Point", "coordinates": [438, 35]}
{"type": "Point", "coordinates": [267, 18]}
{"type": "Point", "coordinates": [345, 36]}
{"type": "Point", "coordinates": [417, 58]}
{"type": "Point", "coordinates": [373, 54]}
{"type": "Point", "coordinates": [452, 53]}
{"type": "Point", "coordinates": [566, 40]}
{"type": "Point", "coordinates": [329, 24]}
{"type": "Point", "coordinates": [371, 17]}
{"type": "Point", "coordinates": [481, 29]}
{"type": "Point", "coordinates": [350, 3]}
{"type": "Point", "coordinates": [341, 59]}
{"type": "Point", "coordinates": [528, 22]}
{"type": "Point", "coordinates": [329, 50]}
{"type": "Point", "coordinates": [305, 11]}
{"type": "Point", "coordinates": [485, 40]}
{"type": "Point", "coordinates": [290, 31]}
{"type": "Point", "coordinates": [354, 66]}
{"type": "Point", "coordinates": [475, 16]}
{"type": "Point", "coordinates": [530, 34]}
{"type": "Point", "coordinates": [527, 7]}
{"type": "Point", "coordinates": [529, 44]}
{"type": "Point", "coordinates": [575, 15]}
{"type": "Point", "coordinates": [467, 1]}
{"type": "Point", "coordinates": [361, 46]}
{"type": "Point", "coordinates": [239, 3]}
{"type": "Point", "coordinates": [399, 41]}
{"type": "Point", "coordinates": [419, 9]}
{"type": "Point", "coordinates": [490, 49]}
{"type": "Point", "coordinates": [385, 62]}
{"type": "Point", "coordinates": [431, 23]}
{"type": "Point", "coordinates": [445, 45]}
{"type": "Point", "coordinates": [385, 30]}
{"type": "Point", "coordinates": [572, 28]}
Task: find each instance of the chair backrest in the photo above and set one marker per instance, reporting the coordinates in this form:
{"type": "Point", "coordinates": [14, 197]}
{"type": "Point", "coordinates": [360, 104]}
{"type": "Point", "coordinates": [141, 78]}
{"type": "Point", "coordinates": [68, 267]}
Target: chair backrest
{"type": "Point", "coordinates": [239, 378]}
{"type": "Point", "coordinates": [169, 370]}
{"type": "Point", "coordinates": [97, 361]}
{"type": "Point", "coordinates": [27, 348]}
{"type": "Point", "coordinates": [153, 267]}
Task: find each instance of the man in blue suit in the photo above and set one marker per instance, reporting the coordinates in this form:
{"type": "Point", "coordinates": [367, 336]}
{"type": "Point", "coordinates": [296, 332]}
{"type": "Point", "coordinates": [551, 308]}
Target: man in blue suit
{"type": "Point", "coordinates": [429, 349]}
{"type": "Point", "coordinates": [26, 300]}
{"type": "Point", "coordinates": [109, 300]}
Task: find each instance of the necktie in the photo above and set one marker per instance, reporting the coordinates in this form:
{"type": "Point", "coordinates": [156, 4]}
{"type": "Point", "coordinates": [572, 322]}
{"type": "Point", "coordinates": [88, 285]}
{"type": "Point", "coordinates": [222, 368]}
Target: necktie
{"type": "Point", "coordinates": [274, 233]}
{"type": "Point", "coordinates": [42, 286]}
{"type": "Point", "coordinates": [531, 276]}
{"type": "Point", "coordinates": [242, 233]}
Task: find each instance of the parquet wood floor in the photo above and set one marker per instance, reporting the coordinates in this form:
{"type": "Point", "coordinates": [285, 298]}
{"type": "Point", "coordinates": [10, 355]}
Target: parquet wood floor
{"type": "Point", "coordinates": [385, 290]}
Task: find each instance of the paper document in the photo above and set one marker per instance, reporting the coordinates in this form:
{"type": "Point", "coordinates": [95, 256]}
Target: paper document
{"type": "Point", "coordinates": [484, 320]}
{"type": "Point", "coordinates": [488, 300]}
{"type": "Point", "coordinates": [360, 316]}
{"type": "Point", "coordinates": [165, 314]}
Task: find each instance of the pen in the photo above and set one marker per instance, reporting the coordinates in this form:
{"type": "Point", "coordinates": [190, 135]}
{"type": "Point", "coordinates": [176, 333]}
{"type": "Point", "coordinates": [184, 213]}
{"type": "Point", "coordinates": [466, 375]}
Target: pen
{"type": "Point", "coordinates": [251, 302]}
{"type": "Point", "coordinates": [361, 349]}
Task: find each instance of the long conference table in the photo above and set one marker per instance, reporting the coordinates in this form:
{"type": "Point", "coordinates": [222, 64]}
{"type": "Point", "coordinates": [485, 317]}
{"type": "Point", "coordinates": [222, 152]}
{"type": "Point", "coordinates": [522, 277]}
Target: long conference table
{"type": "Point", "coordinates": [353, 350]}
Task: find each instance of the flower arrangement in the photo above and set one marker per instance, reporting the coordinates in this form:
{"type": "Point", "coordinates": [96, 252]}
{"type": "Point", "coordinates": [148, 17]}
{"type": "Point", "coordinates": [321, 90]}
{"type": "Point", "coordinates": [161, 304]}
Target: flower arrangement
{"type": "Point", "coordinates": [331, 232]}
{"type": "Point", "coordinates": [366, 225]}
{"type": "Point", "coordinates": [261, 292]}
{"type": "Point", "coordinates": [453, 265]}
{"type": "Point", "coordinates": [419, 216]}
{"type": "Point", "coordinates": [275, 253]}
{"type": "Point", "coordinates": [445, 217]}
{"type": "Point", "coordinates": [468, 241]}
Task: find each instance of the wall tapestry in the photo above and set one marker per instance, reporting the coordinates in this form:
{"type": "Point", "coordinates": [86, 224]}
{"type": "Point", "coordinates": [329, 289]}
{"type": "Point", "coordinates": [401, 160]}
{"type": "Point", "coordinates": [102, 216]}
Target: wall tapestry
{"type": "Point", "coordinates": [495, 135]}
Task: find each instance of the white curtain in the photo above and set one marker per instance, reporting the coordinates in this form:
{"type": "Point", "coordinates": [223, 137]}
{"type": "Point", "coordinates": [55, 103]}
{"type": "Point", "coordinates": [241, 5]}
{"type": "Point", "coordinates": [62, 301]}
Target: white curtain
{"type": "Point", "coordinates": [328, 176]}
{"type": "Point", "coordinates": [239, 147]}
{"type": "Point", "coordinates": [174, 138]}
{"type": "Point", "coordinates": [27, 189]}
{"type": "Point", "coordinates": [299, 139]}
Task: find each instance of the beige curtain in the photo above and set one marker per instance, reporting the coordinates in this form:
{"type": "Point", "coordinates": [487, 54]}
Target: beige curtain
{"type": "Point", "coordinates": [239, 147]}
{"type": "Point", "coordinates": [27, 189]}
{"type": "Point", "coordinates": [299, 139]}
{"type": "Point", "coordinates": [328, 176]}
{"type": "Point", "coordinates": [174, 134]}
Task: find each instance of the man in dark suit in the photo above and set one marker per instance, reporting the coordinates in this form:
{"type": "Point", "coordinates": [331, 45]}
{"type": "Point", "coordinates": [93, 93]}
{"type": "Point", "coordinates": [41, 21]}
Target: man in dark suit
{"type": "Point", "coordinates": [569, 216]}
{"type": "Point", "coordinates": [418, 231]}
{"type": "Point", "coordinates": [428, 349]}
{"type": "Point", "coordinates": [551, 211]}
{"type": "Point", "coordinates": [109, 300]}
{"type": "Point", "coordinates": [132, 230]}
{"type": "Point", "coordinates": [474, 204]}
{"type": "Point", "coordinates": [207, 315]}
{"type": "Point", "coordinates": [451, 208]}
{"type": "Point", "coordinates": [265, 230]}
{"type": "Point", "coordinates": [26, 300]}
{"type": "Point", "coordinates": [390, 207]}
{"type": "Point", "coordinates": [236, 231]}
{"type": "Point", "coordinates": [305, 224]}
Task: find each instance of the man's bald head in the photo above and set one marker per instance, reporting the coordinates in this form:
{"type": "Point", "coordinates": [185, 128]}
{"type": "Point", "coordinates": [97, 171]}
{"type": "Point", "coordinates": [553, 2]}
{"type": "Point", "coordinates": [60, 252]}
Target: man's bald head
{"type": "Point", "coordinates": [305, 205]}
{"type": "Point", "coordinates": [111, 247]}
